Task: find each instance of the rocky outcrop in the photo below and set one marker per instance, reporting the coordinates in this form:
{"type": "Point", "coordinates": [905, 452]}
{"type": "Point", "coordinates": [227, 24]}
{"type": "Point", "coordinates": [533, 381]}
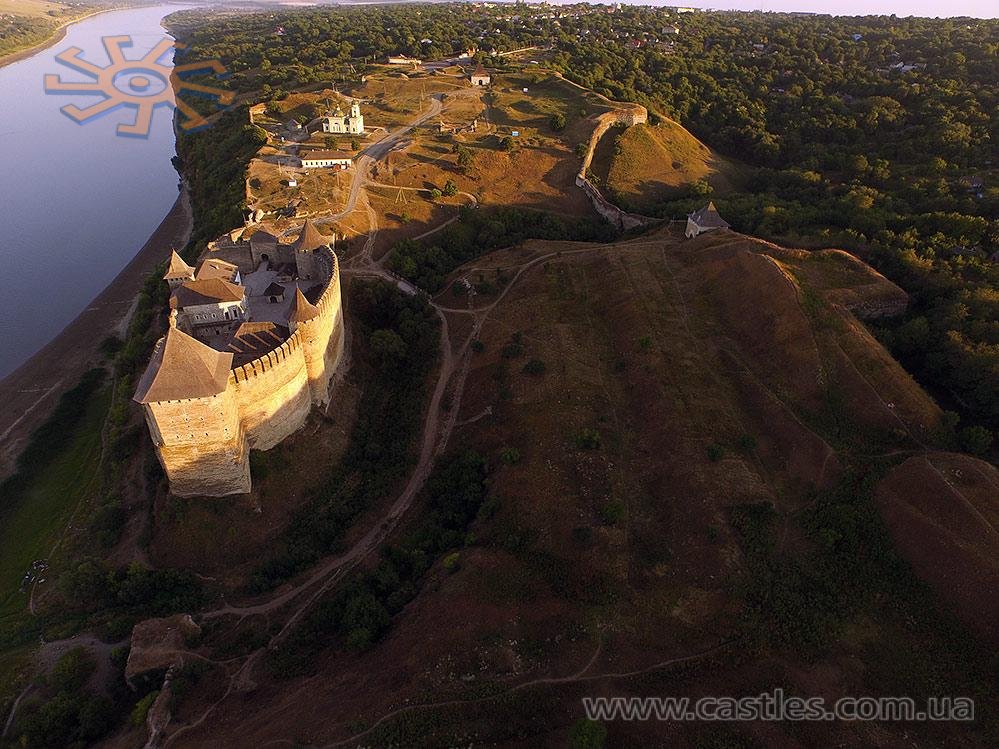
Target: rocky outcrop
{"type": "Point", "coordinates": [160, 644]}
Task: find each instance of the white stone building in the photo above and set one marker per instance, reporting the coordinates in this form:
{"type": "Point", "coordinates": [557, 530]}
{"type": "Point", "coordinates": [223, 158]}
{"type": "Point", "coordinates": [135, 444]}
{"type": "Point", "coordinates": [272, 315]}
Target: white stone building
{"type": "Point", "coordinates": [480, 77]}
{"type": "Point", "coordinates": [345, 125]}
{"type": "Point", "coordinates": [327, 160]}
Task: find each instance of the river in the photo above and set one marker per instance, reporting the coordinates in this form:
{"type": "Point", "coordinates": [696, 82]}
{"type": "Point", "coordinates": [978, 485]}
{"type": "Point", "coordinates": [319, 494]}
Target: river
{"type": "Point", "coordinates": [77, 200]}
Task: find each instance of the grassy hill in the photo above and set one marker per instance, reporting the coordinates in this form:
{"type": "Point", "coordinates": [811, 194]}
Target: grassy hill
{"type": "Point", "coordinates": [644, 165]}
{"type": "Point", "coordinates": [684, 437]}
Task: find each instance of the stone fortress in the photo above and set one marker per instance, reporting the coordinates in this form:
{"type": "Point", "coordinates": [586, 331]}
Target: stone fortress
{"type": "Point", "coordinates": [256, 334]}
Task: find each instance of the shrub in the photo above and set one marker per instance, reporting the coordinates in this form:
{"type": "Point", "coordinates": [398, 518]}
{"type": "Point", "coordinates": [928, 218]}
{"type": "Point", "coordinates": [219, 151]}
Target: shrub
{"type": "Point", "coordinates": [512, 350]}
{"type": "Point", "coordinates": [588, 439]}
{"type": "Point", "coordinates": [534, 367]}
{"type": "Point", "coordinates": [510, 455]}
{"type": "Point", "coordinates": [452, 562]}
{"type": "Point", "coordinates": [715, 452]}
{"type": "Point", "coordinates": [582, 535]}
{"type": "Point", "coordinates": [141, 709]}
{"type": "Point", "coordinates": [976, 440]}
{"type": "Point", "coordinates": [611, 513]}
{"type": "Point", "coordinates": [587, 734]}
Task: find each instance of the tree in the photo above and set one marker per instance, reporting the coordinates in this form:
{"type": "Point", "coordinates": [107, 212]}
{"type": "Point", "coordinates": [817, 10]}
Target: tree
{"type": "Point", "coordinates": [450, 188]}
{"type": "Point", "coordinates": [587, 734]}
{"type": "Point", "coordinates": [355, 144]}
{"type": "Point", "coordinates": [558, 122]}
{"type": "Point", "coordinates": [331, 143]}
{"type": "Point", "coordinates": [388, 348]}
{"type": "Point", "coordinates": [976, 440]}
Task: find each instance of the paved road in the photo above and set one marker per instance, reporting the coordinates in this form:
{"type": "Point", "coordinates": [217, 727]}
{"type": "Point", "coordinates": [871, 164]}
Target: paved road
{"type": "Point", "coordinates": [375, 153]}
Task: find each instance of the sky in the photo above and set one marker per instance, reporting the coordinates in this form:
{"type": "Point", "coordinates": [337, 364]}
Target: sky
{"type": "Point", "coordinates": [930, 8]}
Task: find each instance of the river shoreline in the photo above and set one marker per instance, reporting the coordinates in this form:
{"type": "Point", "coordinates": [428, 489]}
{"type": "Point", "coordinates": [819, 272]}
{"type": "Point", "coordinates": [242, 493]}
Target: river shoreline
{"type": "Point", "coordinates": [30, 391]}
{"type": "Point", "coordinates": [58, 34]}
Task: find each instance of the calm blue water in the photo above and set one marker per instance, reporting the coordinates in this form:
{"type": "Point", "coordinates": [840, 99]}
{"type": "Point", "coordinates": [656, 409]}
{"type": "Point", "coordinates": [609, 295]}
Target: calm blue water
{"type": "Point", "coordinates": [76, 201]}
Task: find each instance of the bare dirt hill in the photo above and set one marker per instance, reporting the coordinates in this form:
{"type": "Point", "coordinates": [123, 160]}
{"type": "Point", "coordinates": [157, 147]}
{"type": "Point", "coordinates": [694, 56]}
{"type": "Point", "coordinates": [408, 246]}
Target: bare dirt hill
{"type": "Point", "coordinates": [659, 415]}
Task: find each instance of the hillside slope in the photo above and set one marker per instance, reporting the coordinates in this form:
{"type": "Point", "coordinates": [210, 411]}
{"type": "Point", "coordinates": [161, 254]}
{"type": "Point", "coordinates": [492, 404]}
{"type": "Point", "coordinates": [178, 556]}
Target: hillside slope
{"type": "Point", "coordinates": [644, 165]}
{"type": "Point", "coordinates": [674, 430]}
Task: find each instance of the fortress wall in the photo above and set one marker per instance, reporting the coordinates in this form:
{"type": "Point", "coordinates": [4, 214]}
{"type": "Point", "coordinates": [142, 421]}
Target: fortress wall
{"type": "Point", "coordinates": [323, 337]}
{"type": "Point", "coordinates": [201, 445]}
{"type": "Point", "coordinates": [204, 443]}
{"type": "Point", "coordinates": [634, 115]}
{"type": "Point", "coordinates": [273, 394]}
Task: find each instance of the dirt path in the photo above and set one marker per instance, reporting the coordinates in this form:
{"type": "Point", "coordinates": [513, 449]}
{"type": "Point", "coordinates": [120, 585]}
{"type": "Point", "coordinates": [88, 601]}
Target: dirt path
{"type": "Point", "coordinates": [579, 676]}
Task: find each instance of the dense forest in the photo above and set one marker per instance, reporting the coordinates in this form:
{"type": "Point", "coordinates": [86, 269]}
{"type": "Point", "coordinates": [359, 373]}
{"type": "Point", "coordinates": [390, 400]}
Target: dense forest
{"type": "Point", "coordinates": [876, 134]}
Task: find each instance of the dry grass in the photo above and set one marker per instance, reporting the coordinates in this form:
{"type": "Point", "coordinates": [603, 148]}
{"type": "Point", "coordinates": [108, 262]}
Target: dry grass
{"type": "Point", "coordinates": [647, 164]}
{"type": "Point", "coordinates": [34, 8]}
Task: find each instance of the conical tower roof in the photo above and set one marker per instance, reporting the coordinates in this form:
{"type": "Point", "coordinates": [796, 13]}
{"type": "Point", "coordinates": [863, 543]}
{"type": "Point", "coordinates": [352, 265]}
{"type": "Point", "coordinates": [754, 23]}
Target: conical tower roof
{"type": "Point", "coordinates": [178, 268]}
{"type": "Point", "coordinates": [310, 239]}
{"type": "Point", "coordinates": [181, 368]}
{"type": "Point", "coordinates": [302, 309]}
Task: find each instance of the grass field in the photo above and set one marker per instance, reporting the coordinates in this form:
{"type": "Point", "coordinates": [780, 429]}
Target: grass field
{"type": "Point", "coordinates": [33, 8]}
{"type": "Point", "coordinates": [28, 23]}
{"type": "Point", "coordinates": [30, 529]}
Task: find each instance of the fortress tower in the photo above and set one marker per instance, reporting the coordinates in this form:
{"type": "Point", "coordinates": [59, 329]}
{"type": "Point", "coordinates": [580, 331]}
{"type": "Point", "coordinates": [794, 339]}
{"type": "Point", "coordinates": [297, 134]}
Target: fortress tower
{"type": "Point", "coordinates": [207, 406]}
{"type": "Point", "coordinates": [193, 417]}
{"type": "Point", "coordinates": [178, 272]}
{"type": "Point", "coordinates": [306, 249]}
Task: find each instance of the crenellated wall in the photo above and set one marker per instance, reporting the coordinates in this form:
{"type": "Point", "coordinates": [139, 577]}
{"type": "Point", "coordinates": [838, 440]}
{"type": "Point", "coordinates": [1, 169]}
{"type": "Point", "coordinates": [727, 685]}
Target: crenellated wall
{"type": "Point", "coordinates": [204, 443]}
{"type": "Point", "coordinates": [273, 394]}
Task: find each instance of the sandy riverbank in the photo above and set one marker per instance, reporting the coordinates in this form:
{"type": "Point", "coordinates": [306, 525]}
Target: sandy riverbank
{"type": "Point", "coordinates": [30, 392]}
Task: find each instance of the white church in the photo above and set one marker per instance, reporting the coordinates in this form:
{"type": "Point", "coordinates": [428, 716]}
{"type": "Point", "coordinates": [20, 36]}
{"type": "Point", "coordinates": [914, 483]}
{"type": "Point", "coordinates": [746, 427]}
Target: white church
{"type": "Point", "coordinates": [339, 124]}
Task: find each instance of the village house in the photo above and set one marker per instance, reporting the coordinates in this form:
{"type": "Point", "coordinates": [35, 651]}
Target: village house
{"type": "Point", "coordinates": [480, 77]}
{"type": "Point", "coordinates": [327, 159]}
{"type": "Point", "coordinates": [403, 60]}
{"type": "Point", "coordinates": [706, 219]}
